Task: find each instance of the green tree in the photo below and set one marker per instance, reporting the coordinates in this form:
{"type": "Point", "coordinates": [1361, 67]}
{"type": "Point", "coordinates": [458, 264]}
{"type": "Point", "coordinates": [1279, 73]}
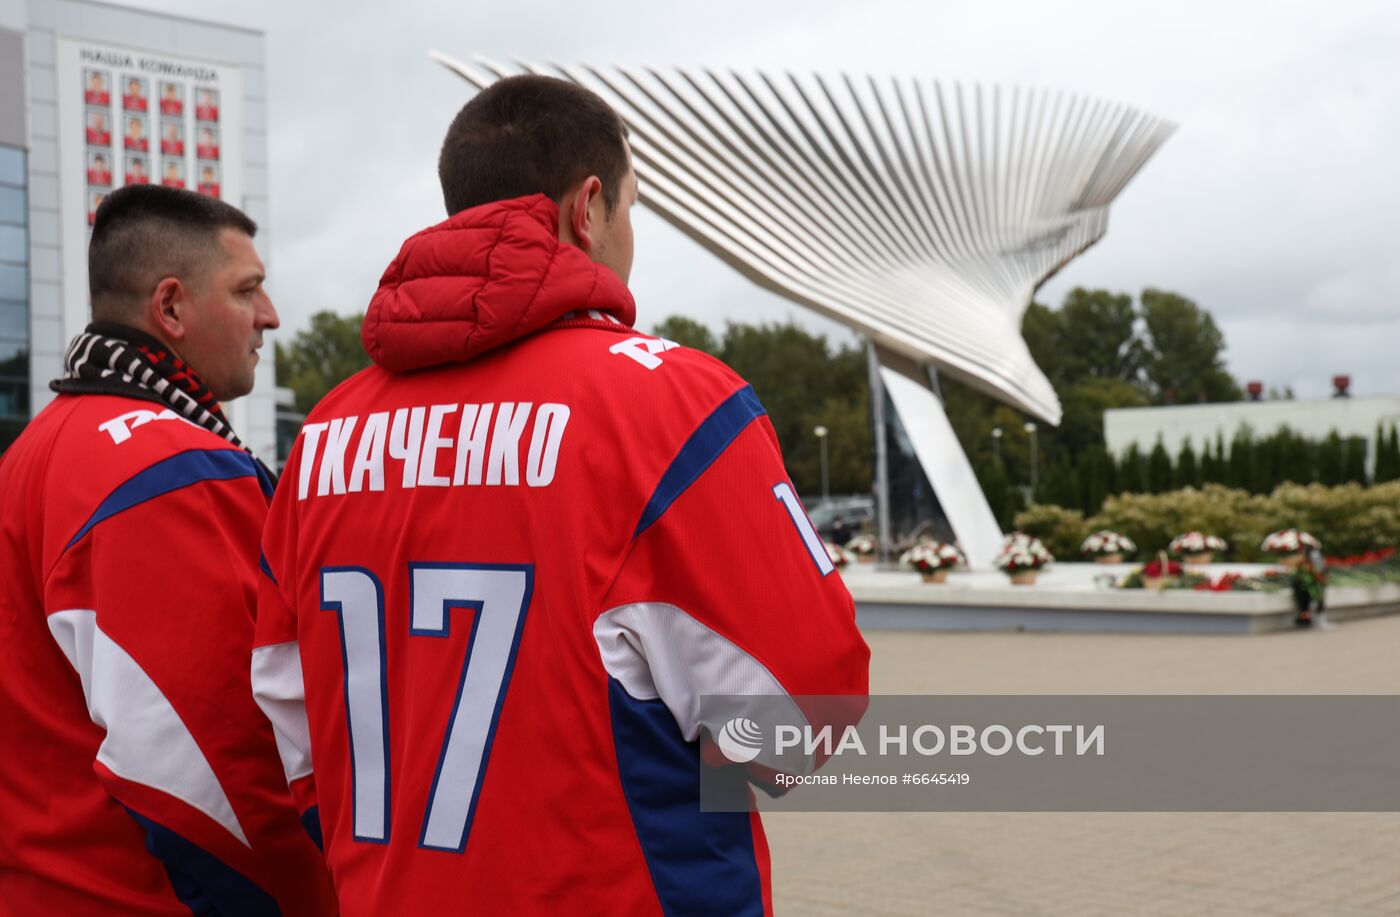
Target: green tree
{"type": "Point", "coordinates": [1095, 337]}
{"type": "Point", "coordinates": [1098, 478]}
{"type": "Point", "coordinates": [1084, 404]}
{"type": "Point", "coordinates": [1241, 468]}
{"type": "Point", "coordinates": [688, 333]}
{"type": "Point", "coordinates": [804, 382]}
{"type": "Point", "coordinates": [1387, 455]}
{"type": "Point", "coordinates": [1354, 469]}
{"type": "Point", "coordinates": [1188, 473]}
{"type": "Point", "coordinates": [1061, 485]}
{"type": "Point", "coordinates": [1184, 351]}
{"type": "Point", "coordinates": [321, 357]}
{"type": "Point", "coordinates": [1000, 496]}
{"type": "Point", "coordinates": [1132, 471]}
{"type": "Point", "coordinates": [1159, 469]}
{"type": "Point", "coordinates": [1331, 460]}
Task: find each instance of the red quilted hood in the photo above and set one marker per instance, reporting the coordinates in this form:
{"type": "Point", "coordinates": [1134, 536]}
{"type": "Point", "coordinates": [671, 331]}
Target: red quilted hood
{"type": "Point", "coordinates": [481, 279]}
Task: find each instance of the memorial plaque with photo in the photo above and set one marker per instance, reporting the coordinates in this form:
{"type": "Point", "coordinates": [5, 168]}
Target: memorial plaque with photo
{"type": "Point", "coordinates": [209, 178]}
{"type": "Point", "coordinates": [207, 144]}
{"type": "Point", "coordinates": [99, 169]}
{"type": "Point", "coordinates": [133, 116]}
{"type": "Point", "coordinates": [172, 99]}
{"type": "Point", "coordinates": [99, 128]}
{"type": "Point", "coordinates": [206, 107]}
{"type": "Point", "coordinates": [95, 199]}
{"type": "Point", "coordinates": [137, 173]}
{"type": "Point", "coordinates": [134, 96]}
{"type": "Point", "coordinates": [97, 87]}
{"type": "Point", "coordinates": [172, 173]}
{"type": "Point", "coordinates": [136, 137]}
{"type": "Point", "coordinates": [172, 138]}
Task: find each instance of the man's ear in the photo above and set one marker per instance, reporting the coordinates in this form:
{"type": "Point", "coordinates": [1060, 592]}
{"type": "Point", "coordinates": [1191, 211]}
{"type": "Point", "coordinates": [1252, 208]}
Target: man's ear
{"type": "Point", "coordinates": [581, 211]}
{"type": "Point", "coordinates": [169, 309]}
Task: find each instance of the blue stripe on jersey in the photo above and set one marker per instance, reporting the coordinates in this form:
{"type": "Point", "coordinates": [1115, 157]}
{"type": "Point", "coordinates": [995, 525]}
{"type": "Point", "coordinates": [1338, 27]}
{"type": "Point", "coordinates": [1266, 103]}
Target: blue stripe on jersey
{"type": "Point", "coordinates": [202, 882]}
{"type": "Point", "coordinates": [311, 821]}
{"type": "Point", "coordinates": [180, 470]}
{"type": "Point", "coordinates": [266, 568]}
{"type": "Point", "coordinates": [701, 863]}
{"type": "Point", "coordinates": [706, 444]}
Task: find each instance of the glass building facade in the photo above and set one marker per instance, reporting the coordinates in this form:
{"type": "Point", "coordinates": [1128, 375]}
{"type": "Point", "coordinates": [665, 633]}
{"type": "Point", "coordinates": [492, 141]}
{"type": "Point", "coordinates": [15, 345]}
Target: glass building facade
{"type": "Point", "coordinates": [14, 294]}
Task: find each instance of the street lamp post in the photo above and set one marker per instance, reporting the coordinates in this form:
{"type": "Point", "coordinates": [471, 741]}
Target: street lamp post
{"type": "Point", "coordinates": [1030, 431]}
{"type": "Point", "coordinates": [821, 437]}
{"type": "Point", "coordinates": [996, 444]}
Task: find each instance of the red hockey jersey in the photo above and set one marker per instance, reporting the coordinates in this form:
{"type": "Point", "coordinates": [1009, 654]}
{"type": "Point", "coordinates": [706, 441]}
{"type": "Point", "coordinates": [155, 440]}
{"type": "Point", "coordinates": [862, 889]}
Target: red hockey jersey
{"type": "Point", "coordinates": [506, 565]}
{"type": "Point", "coordinates": [128, 550]}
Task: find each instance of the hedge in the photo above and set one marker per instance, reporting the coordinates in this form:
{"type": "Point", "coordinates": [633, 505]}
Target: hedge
{"type": "Point", "coordinates": [1349, 519]}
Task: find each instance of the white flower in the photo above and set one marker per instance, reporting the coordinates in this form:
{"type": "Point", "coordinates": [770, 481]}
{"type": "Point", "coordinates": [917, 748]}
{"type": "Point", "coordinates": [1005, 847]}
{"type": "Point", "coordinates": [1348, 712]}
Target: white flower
{"type": "Point", "coordinates": [927, 556]}
{"type": "Point", "coordinates": [1288, 541]}
{"type": "Point", "coordinates": [1197, 543]}
{"type": "Point", "coordinates": [862, 544]}
{"type": "Point", "coordinates": [1107, 542]}
{"type": "Point", "coordinates": [1022, 552]}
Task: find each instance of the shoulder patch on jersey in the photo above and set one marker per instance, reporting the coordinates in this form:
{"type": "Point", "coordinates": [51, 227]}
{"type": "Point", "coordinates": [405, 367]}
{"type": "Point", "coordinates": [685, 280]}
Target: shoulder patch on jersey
{"type": "Point", "coordinates": [706, 444]}
{"type": "Point", "coordinates": [178, 471]}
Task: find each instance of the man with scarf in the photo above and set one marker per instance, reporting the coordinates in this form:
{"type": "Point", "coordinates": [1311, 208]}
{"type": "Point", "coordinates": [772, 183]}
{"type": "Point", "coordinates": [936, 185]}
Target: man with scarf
{"type": "Point", "coordinates": [137, 774]}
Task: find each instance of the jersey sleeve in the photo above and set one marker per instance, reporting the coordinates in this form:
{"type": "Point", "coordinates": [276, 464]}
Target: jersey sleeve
{"type": "Point", "coordinates": [727, 590]}
{"type": "Point", "coordinates": [278, 686]}
{"type": "Point", "coordinates": [151, 601]}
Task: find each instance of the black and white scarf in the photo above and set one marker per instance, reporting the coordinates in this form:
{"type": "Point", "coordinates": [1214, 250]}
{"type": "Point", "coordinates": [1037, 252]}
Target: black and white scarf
{"type": "Point", "coordinates": [114, 359]}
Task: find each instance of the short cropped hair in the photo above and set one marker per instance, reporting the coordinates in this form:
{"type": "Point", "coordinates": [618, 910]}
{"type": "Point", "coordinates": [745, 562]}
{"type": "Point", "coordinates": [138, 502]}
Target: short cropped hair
{"type": "Point", "coordinates": [142, 234]}
{"type": "Point", "coordinates": [531, 135]}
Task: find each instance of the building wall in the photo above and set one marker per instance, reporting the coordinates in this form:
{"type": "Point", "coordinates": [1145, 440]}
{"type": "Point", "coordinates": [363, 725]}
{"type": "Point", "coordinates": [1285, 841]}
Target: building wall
{"type": "Point", "coordinates": [47, 22]}
{"type": "Point", "coordinates": [1201, 423]}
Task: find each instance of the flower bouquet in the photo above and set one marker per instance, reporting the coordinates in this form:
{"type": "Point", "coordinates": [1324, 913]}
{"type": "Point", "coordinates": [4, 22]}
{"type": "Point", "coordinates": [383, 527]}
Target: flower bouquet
{"type": "Point", "coordinates": [1291, 545]}
{"type": "Point", "coordinates": [1160, 573]}
{"type": "Point", "coordinates": [1197, 547]}
{"type": "Point", "coordinates": [1107, 547]}
{"type": "Point", "coordinates": [863, 547]}
{"type": "Point", "coordinates": [1022, 557]}
{"type": "Point", "coordinates": [933, 560]}
{"type": "Point", "coordinates": [840, 557]}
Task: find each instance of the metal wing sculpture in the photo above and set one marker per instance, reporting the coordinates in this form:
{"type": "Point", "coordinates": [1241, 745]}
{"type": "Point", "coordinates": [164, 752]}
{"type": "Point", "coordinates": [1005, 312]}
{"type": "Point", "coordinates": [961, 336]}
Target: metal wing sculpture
{"type": "Point", "coordinates": [921, 215]}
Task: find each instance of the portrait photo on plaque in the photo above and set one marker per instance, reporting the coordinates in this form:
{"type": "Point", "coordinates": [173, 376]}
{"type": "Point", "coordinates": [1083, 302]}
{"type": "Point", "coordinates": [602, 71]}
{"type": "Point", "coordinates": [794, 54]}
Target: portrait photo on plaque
{"type": "Point", "coordinates": [134, 97]}
{"type": "Point", "coordinates": [206, 141]}
{"type": "Point", "coordinates": [209, 178]}
{"type": "Point", "coordinates": [136, 137]}
{"type": "Point", "coordinates": [172, 138]}
{"type": "Point", "coordinates": [97, 87]}
{"type": "Point", "coordinates": [99, 169]}
{"type": "Point", "coordinates": [172, 99]}
{"type": "Point", "coordinates": [137, 172]}
{"type": "Point", "coordinates": [99, 129]}
{"type": "Point", "coordinates": [206, 105]}
{"type": "Point", "coordinates": [172, 173]}
{"type": "Point", "coordinates": [95, 199]}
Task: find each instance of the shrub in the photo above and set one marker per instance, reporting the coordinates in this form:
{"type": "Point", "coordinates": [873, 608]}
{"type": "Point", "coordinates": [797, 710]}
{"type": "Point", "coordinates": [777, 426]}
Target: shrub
{"type": "Point", "coordinates": [1061, 530]}
{"type": "Point", "coordinates": [1347, 519]}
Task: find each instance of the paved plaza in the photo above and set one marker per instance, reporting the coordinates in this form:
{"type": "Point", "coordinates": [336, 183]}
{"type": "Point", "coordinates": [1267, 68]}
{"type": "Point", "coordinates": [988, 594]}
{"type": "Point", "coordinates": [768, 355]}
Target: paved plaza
{"type": "Point", "coordinates": [1333, 864]}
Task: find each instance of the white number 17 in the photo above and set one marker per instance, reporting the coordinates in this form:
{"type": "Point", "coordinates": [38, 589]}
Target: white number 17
{"type": "Point", "coordinates": [498, 596]}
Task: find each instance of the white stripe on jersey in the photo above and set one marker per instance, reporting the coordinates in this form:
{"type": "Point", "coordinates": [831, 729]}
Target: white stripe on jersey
{"type": "Point", "coordinates": [281, 694]}
{"type": "Point", "coordinates": [146, 742]}
{"type": "Point", "coordinates": [658, 651]}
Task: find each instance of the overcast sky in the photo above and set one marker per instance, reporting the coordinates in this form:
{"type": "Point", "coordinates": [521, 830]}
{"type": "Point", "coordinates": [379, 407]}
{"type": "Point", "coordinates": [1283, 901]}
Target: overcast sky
{"type": "Point", "coordinates": [1276, 205]}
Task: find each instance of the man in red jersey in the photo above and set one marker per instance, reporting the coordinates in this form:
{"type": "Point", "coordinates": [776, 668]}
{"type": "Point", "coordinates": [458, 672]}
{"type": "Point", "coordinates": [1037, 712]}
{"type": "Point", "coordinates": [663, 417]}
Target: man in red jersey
{"type": "Point", "coordinates": [138, 775]}
{"type": "Point", "coordinates": [512, 562]}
